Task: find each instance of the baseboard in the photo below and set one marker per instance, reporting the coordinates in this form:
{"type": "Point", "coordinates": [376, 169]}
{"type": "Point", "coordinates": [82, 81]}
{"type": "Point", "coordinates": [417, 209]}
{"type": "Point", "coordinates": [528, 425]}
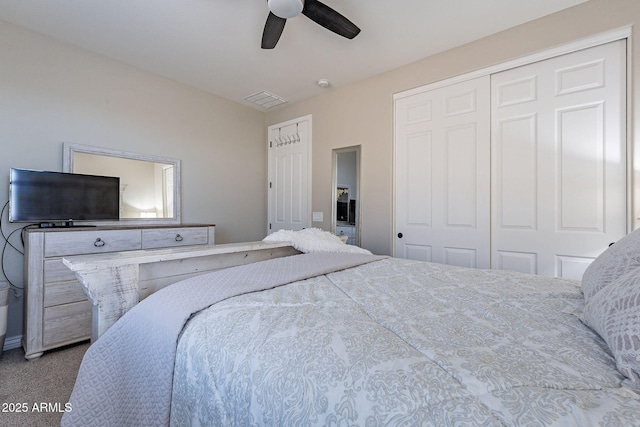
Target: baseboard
{"type": "Point", "coordinates": [13, 342]}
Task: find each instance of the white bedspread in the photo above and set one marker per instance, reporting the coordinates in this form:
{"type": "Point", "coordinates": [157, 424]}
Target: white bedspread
{"type": "Point", "coordinates": [126, 376]}
{"type": "Point", "coordinates": [398, 342]}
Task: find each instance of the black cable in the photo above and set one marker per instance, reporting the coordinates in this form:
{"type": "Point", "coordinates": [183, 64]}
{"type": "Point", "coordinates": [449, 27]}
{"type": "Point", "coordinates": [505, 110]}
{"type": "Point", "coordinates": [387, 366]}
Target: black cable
{"type": "Point", "coordinates": [4, 247]}
{"type": "Point", "coordinates": [7, 242]}
{"type": "Point", "coordinates": [6, 239]}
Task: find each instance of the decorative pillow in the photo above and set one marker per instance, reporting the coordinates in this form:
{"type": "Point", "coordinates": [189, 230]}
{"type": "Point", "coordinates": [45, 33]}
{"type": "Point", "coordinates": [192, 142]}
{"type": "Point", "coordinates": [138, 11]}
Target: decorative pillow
{"type": "Point", "coordinates": [313, 240]}
{"type": "Point", "coordinates": [618, 259]}
{"type": "Point", "coordinates": [614, 313]}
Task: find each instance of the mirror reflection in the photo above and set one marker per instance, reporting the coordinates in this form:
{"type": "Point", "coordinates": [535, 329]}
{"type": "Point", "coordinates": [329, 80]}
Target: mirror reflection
{"type": "Point", "coordinates": [346, 178]}
{"type": "Point", "coordinates": [148, 184]}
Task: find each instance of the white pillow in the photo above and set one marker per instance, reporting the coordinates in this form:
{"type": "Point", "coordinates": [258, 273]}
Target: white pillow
{"type": "Point", "coordinates": [313, 240]}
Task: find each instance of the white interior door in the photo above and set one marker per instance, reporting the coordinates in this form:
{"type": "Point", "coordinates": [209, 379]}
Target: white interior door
{"type": "Point", "coordinates": [442, 175]}
{"type": "Point", "coordinates": [559, 161]}
{"type": "Point", "coordinates": [290, 175]}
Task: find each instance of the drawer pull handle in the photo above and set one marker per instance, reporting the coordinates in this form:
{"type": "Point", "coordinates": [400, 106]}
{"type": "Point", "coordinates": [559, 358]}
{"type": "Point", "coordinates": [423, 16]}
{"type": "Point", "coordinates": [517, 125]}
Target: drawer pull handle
{"type": "Point", "coordinates": [99, 243]}
{"type": "Point", "coordinates": [179, 238]}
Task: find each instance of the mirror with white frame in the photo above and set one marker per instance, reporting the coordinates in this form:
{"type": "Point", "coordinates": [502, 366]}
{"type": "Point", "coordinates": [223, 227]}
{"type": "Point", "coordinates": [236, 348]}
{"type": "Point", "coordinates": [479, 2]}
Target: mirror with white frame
{"type": "Point", "coordinates": [345, 218]}
{"type": "Point", "coordinates": [149, 184]}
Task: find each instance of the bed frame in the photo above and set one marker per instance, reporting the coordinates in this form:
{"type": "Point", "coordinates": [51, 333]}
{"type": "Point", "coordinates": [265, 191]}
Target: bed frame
{"type": "Point", "coordinates": [115, 282]}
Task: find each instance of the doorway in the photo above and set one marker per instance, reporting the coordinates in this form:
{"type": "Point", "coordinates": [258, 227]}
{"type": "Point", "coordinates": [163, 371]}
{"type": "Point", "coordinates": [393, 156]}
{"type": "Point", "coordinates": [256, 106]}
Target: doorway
{"type": "Point", "coordinates": [345, 218]}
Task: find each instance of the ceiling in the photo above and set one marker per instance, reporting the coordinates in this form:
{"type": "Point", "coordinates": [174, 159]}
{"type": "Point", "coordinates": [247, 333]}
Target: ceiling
{"type": "Point", "coordinates": [214, 45]}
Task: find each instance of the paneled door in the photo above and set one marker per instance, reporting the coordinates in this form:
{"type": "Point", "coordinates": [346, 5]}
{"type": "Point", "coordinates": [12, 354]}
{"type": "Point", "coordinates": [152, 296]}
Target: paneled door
{"type": "Point", "coordinates": [289, 175]}
{"type": "Point", "coordinates": [442, 150]}
{"type": "Point", "coordinates": [559, 161]}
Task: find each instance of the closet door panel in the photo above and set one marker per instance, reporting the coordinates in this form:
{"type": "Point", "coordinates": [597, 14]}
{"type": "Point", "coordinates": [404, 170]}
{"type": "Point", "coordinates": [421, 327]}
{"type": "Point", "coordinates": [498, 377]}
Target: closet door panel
{"type": "Point", "coordinates": [414, 176]}
{"type": "Point", "coordinates": [524, 262]}
{"type": "Point", "coordinates": [559, 175]}
{"type": "Point", "coordinates": [581, 177]}
{"type": "Point", "coordinates": [517, 168]}
{"type": "Point", "coordinates": [461, 149]}
{"type": "Point", "coordinates": [418, 179]}
{"type": "Point", "coordinates": [416, 251]}
{"type": "Point", "coordinates": [442, 175]}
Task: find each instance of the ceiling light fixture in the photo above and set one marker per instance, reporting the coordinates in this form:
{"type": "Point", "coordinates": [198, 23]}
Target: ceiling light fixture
{"type": "Point", "coordinates": [323, 83]}
{"type": "Point", "coordinates": [285, 9]}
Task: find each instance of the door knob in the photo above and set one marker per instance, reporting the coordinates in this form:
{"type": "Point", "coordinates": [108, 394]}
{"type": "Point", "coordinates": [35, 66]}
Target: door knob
{"type": "Point", "coordinates": [399, 235]}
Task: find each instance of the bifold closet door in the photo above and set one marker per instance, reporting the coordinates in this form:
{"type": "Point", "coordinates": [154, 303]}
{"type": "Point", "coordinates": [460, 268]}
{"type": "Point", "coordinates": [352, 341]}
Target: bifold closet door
{"type": "Point", "coordinates": [559, 161]}
{"type": "Point", "coordinates": [442, 175]}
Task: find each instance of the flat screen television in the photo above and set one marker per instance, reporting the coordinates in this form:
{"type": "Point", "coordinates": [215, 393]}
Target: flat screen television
{"type": "Point", "coordinates": [49, 197]}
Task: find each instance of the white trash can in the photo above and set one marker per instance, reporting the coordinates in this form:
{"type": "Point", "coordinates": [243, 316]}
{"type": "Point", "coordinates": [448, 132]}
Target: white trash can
{"type": "Point", "coordinates": [4, 309]}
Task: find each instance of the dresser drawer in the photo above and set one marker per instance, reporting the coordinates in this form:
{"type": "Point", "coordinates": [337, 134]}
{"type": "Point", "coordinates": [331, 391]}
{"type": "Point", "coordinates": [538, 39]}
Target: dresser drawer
{"type": "Point", "coordinates": [180, 236]}
{"type": "Point", "coordinates": [60, 284]}
{"type": "Point", "coordinates": [91, 242]}
{"type": "Point", "coordinates": [56, 271]}
{"type": "Point", "coordinates": [63, 293]}
{"type": "Point", "coordinates": [346, 230]}
{"type": "Point", "coordinates": [66, 323]}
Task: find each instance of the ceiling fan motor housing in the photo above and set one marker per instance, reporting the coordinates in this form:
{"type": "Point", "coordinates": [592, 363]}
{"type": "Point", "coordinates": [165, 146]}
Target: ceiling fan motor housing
{"type": "Point", "coordinates": [286, 8]}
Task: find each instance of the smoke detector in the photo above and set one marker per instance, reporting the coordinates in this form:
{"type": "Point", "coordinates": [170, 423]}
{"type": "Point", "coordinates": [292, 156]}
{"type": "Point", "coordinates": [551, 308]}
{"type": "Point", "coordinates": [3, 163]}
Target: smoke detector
{"type": "Point", "coordinates": [323, 83]}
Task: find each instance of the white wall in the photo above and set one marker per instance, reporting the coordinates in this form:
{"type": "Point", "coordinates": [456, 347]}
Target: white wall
{"type": "Point", "coordinates": [52, 92]}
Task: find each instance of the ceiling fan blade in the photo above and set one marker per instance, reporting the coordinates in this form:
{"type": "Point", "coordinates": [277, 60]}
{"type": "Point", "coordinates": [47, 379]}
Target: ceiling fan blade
{"type": "Point", "coordinates": [330, 19]}
{"type": "Point", "coordinates": [272, 31]}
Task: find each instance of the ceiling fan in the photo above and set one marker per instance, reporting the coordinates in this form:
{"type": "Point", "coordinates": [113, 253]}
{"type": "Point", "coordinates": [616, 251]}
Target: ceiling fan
{"type": "Point", "coordinates": [281, 10]}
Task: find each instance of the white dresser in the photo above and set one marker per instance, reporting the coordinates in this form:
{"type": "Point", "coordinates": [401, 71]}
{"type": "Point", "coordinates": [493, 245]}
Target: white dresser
{"type": "Point", "coordinates": [347, 230]}
{"type": "Point", "coordinates": [56, 310]}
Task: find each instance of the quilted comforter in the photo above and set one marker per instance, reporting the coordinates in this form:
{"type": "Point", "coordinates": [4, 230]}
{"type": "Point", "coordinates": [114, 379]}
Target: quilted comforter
{"type": "Point", "coordinates": [126, 376]}
{"type": "Point", "coordinates": [384, 342]}
{"type": "Point", "coordinates": [399, 342]}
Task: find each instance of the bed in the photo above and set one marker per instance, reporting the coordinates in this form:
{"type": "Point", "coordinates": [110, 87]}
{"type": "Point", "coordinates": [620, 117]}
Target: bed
{"type": "Point", "coordinates": [349, 338]}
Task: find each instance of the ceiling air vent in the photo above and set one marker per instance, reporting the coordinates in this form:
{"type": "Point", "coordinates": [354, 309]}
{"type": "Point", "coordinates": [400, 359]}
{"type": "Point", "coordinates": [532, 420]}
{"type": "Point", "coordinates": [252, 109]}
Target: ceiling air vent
{"type": "Point", "coordinates": [265, 99]}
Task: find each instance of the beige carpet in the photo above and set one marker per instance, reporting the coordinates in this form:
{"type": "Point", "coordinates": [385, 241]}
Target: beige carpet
{"type": "Point", "coordinates": [42, 386]}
